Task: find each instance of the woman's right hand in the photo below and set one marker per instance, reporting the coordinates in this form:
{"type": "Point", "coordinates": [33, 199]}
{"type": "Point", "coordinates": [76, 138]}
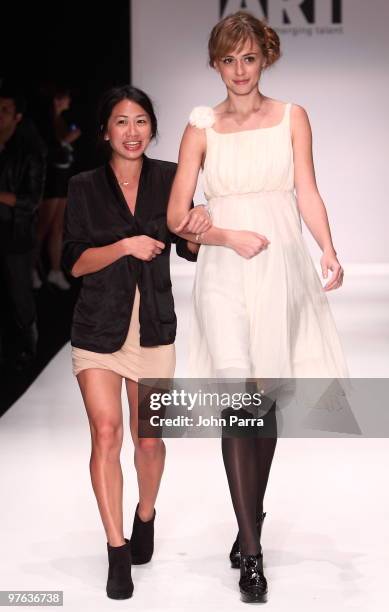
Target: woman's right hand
{"type": "Point", "coordinates": [142, 247]}
{"type": "Point", "coordinates": [196, 221]}
{"type": "Point", "coordinates": [246, 243]}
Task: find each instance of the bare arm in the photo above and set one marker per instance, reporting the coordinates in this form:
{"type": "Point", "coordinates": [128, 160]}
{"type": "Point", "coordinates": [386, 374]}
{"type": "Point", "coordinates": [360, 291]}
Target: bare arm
{"type": "Point", "coordinates": [309, 201]}
{"type": "Point", "coordinates": [192, 152]}
{"type": "Point", "coordinates": [62, 132]}
{"type": "Point", "coordinates": [7, 198]}
{"type": "Point", "coordinates": [96, 258]}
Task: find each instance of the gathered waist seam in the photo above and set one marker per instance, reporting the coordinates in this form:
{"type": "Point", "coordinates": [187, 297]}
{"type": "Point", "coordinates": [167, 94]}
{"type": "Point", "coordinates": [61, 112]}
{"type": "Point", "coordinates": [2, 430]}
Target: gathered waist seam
{"type": "Point", "coordinates": [250, 193]}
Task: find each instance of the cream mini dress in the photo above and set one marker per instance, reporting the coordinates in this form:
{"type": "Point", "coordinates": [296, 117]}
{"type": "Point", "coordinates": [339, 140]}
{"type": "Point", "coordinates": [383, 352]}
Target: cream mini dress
{"type": "Point", "coordinates": [132, 360]}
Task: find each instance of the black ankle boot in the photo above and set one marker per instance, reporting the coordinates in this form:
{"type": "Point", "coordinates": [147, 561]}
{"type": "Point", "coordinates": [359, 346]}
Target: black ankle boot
{"type": "Point", "coordinates": [252, 583]}
{"type": "Point", "coordinates": [119, 583]}
{"type": "Point", "coordinates": [235, 550]}
{"type": "Point", "coordinates": [142, 539]}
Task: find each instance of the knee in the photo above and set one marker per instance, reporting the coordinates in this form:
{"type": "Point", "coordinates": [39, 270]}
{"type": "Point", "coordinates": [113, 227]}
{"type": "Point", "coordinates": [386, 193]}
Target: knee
{"type": "Point", "coordinates": [107, 438]}
{"type": "Point", "coordinates": [150, 447]}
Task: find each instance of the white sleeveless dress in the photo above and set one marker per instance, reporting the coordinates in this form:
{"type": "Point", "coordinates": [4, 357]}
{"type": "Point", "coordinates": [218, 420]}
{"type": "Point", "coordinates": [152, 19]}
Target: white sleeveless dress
{"type": "Point", "coordinates": [268, 315]}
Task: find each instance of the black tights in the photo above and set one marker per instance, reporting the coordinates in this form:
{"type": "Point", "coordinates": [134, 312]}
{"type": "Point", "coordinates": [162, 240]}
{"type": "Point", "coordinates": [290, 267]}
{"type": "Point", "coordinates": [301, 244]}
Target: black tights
{"type": "Point", "coordinates": [247, 461]}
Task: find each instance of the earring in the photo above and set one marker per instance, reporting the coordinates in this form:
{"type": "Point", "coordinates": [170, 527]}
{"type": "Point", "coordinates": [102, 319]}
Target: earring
{"type": "Point", "coordinates": [106, 138]}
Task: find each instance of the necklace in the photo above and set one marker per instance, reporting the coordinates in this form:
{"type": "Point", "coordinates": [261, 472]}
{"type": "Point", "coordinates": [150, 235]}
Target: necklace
{"type": "Point", "coordinates": [124, 182]}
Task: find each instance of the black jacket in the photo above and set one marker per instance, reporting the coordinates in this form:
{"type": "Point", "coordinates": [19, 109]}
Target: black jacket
{"type": "Point", "coordinates": [22, 172]}
{"type": "Point", "coordinates": [97, 215]}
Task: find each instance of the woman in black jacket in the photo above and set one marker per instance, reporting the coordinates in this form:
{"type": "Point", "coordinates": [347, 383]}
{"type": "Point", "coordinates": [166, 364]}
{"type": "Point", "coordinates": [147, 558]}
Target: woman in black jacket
{"type": "Point", "coordinates": [124, 324]}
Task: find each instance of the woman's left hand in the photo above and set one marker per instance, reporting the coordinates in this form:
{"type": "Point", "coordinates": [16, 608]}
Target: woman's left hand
{"type": "Point", "coordinates": [72, 135]}
{"type": "Point", "coordinates": [329, 261]}
{"type": "Point", "coordinates": [196, 221]}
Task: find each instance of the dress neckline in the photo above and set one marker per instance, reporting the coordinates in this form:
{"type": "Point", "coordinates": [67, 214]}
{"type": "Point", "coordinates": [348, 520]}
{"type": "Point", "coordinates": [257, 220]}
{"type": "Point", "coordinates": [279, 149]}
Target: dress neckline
{"type": "Point", "coordinates": [270, 127]}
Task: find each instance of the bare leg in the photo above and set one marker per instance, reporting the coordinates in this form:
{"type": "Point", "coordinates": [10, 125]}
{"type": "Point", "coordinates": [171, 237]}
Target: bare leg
{"type": "Point", "coordinates": [101, 392]}
{"type": "Point", "coordinates": [55, 235]}
{"type": "Point", "coordinates": [46, 215]}
{"type": "Point", "coordinates": [149, 459]}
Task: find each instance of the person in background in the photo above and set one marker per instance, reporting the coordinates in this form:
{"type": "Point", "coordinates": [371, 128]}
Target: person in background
{"type": "Point", "coordinates": [59, 136]}
{"type": "Point", "coordinates": [22, 174]}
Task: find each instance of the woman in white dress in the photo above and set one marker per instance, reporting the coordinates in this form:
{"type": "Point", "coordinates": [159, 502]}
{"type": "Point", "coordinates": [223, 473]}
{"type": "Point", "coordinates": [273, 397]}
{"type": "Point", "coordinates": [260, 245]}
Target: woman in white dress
{"type": "Point", "coordinates": [259, 306]}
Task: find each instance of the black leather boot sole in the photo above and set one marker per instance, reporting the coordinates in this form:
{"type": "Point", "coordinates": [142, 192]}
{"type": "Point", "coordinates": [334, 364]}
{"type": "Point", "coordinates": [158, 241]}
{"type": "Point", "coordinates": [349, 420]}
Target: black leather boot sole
{"type": "Point", "coordinates": [253, 598]}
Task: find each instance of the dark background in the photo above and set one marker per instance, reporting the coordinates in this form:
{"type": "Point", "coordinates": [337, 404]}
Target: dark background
{"type": "Point", "coordinates": [84, 46]}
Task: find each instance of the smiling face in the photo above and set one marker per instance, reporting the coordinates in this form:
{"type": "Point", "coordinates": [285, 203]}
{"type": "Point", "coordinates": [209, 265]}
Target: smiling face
{"type": "Point", "coordinates": [129, 130]}
{"type": "Point", "coordinates": [240, 69]}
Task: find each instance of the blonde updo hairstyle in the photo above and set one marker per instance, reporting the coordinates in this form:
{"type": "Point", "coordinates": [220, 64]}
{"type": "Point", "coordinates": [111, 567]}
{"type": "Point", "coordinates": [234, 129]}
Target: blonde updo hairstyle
{"type": "Point", "coordinates": [234, 30]}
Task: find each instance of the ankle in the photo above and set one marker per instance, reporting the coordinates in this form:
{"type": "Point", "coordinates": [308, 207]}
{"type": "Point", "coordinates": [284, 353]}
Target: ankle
{"type": "Point", "coordinates": [145, 513]}
{"type": "Point", "coordinates": [250, 547]}
{"type": "Point", "coordinates": [116, 541]}
{"type": "Point", "coordinates": [251, 552]}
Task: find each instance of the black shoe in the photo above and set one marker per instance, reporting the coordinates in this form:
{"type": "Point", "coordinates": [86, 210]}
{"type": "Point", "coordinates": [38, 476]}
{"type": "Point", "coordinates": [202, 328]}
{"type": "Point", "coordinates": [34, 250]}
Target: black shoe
{"type": "Point", "coordinates": [252, 583]}
{"type": "Point", "coordinates": [142, 539]}
{"type": "Point", "coordinates": [119, 583]}
{"type": "Point", "coordinates": [235, 550]}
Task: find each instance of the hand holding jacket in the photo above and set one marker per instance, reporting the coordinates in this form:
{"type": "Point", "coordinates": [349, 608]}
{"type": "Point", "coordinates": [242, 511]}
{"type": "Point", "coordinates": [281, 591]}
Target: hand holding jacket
{"type": "Point", "coordinates": [97, 215]}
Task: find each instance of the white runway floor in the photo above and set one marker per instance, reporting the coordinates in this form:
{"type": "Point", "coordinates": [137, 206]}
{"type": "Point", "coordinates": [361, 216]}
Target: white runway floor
{"type": "Point", "coordinates": [326, 533]}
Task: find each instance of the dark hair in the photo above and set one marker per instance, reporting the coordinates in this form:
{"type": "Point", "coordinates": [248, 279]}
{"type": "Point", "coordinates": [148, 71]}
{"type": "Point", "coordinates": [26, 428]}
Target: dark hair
{"type": "Point", "coordinates": [61, 91]}
{"type": "Point", "coordinates": [113, 96]}
{"type": "Point", "coordinates": [16, 96]}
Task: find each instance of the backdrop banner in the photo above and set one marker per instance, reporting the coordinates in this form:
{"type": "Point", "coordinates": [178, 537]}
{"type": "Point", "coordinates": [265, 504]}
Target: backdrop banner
{"type": "Point", "coordinates": [334, 55]}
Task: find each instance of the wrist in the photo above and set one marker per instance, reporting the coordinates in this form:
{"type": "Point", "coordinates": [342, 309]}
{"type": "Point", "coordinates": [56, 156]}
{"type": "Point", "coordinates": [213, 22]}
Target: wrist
{"type": "Point", "coordinates": [198, 238]}
{"type": "Point", "coordinates": [329, 249]}
{"type": "Point", "coordinates": [192, 247]}
{"type": "Point", "coordinates": [125, 246]}
{"type": "Point", "coordinates": [227, 238]}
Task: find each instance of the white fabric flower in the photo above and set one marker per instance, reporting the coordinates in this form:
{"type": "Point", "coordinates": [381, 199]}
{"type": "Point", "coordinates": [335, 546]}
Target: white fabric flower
{"type": "Point", "coordinates": [202, 117]}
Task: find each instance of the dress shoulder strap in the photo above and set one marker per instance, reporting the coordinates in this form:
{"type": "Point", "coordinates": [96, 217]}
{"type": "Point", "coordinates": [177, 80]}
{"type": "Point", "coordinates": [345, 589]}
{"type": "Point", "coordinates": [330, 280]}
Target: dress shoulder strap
{"type": "Point", "coordinates": [202, 117]}
{"type": "Point", "coordinates": [286, 117]}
